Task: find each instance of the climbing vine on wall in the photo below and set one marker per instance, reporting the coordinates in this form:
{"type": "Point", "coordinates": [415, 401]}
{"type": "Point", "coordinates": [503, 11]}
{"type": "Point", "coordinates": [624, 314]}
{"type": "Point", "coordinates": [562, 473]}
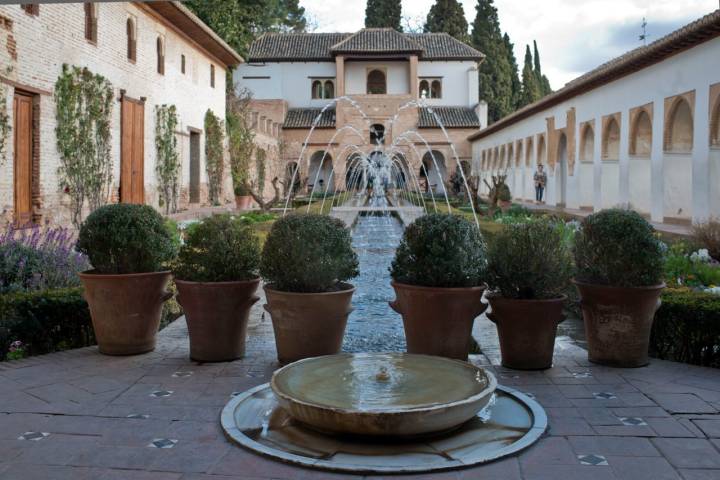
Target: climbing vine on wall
{"type": "Point", "coordinates": [167, 165]}
{"type": "Point", "coordinates": [5, 127]}
{"type": "Point", "coordinates": [260, 169]}
{"type": "Point", "coordinates": [214, 156]}
{"type": "Point", "coordinates": [83, 107]}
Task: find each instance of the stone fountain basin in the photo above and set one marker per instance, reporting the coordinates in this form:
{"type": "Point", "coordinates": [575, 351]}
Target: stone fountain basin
{"type": "Point", "coordinates": [382, 394]}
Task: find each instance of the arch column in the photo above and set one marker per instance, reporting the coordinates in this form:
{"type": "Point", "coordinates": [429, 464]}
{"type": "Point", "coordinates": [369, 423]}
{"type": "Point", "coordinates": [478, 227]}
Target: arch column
{"type": "Point", "coordinates": [657, 185]}
{"type": "Point", "coordinates": [624, 159]}
{"type": "Point", "coordinates": [573, 181]}
{"type": "Point", "coordinates": [701, 155]}
{"type": "Point", "coordinates": [597, 163]}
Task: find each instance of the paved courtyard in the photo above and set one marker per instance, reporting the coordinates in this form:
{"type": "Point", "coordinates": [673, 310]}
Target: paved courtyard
{"type": "Point", "coordinates": [81, 415]}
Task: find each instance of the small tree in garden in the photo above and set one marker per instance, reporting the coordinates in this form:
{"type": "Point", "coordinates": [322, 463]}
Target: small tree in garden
{"type": "Point", "coordinates": [214, 163]}
{"type": "Point", "coordinates": [83, 106]}
{"type": "Point", "coordinates": [241, 140]}
{"type": "Point", "coordinates": [167, 166]}
{"type": "Point", "coordinates": [499, 192]}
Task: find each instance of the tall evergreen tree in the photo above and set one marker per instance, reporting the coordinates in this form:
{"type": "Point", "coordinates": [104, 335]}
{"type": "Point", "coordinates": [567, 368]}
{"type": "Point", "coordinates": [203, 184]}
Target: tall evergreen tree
{"type": "Point", "coordinates": [383, 13]}
{"type": "Point", "coordinates": [542, 80]}
{"type": "Point", "coordinates": [530, 88]}
{"type": "Point", "coordinates": [514, 78]}
{"type": "Point", "coordinates": [447, 16]}
{"type": "Point", "coordinates": [495, 73]}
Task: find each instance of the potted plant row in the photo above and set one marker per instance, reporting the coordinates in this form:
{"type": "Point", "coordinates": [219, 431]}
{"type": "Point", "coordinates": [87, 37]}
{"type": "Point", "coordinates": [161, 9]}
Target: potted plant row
{"type": "Point", "coordinates": [438, 277]}
{"type": "Point", "coordinates": [529, 268]}
{"type": "Point", "coordinates": [216, 274]}
{"type": "Point", "coordinates": [306, 261]}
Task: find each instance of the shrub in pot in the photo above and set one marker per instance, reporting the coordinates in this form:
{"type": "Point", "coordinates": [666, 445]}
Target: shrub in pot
{"type": "Point", "coordinates": [438, 275]}
{"type": "Point", "coordinates": [216, 274]}
{"type": "Point", "coordinates": [305, 262]}
{"type": "Point", "coordinates": [529, 267]}
{"type": "Point", "coordinates": [243, 199]}
{"type": "Point", "coordinates": [619, 278]}
{"type": "Point", "coordinates": [128, 246]}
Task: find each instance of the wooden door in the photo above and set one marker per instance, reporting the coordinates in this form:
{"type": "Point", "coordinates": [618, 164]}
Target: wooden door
{"type": "Point", "coordinates": [23, 115]}
{"type": "Point", "coordinates": [194, 167]}
{"type": "Point", "coordinates": [132, 152]}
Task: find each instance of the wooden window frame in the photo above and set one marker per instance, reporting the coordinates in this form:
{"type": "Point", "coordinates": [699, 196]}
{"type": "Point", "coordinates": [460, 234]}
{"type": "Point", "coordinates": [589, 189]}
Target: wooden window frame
{"type": "Point", "coordinates": [32, 9]}
{"type": "Point", "coordinates": [160, 47]}
{"type": "Point", "coordinates": [91, 28]}
{"type": "Point", "coordinates": [131, 33]}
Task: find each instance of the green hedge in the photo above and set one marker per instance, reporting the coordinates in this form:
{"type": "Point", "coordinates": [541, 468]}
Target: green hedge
{"type": "Point", "coordinates": [687, 328]}
{"type": "Point", "coordinates": [45, 321]}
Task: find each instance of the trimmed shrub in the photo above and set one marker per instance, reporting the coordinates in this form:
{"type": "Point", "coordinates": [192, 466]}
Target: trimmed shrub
{"type": "Point", "coordinates": [529, 261]}
{"type": "Point", "coordinates": [440, 250]}
{"type": "Point", "coordinates": [45, 321]}
{"type": "Point", "coordinates": [125, 238]}
{"type": "Point", "coordinates": [687, 328]}
{"type": "Point", "coordinates": [707, 235]}
{"type": "Point", "coordinates": [618, 248]}
{"type": "Point", "coordinates": [219, 249]}
{"type": "Point", "coordinates": [308, 253]}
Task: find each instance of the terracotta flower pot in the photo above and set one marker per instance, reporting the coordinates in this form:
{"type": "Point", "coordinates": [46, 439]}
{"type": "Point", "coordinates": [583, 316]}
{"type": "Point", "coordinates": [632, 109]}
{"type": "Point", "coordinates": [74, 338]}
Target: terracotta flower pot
{"type": "Point", "coordinates": [217, 317]}
{"type": "Point", "coordinates": [527, 330]}
{"type": "Point", "coordinates": [243, 202]}
{"type": "Point", "coordinates": [438, 321]}
{"type": "Point", "coordinates": [308, 324]}
{"type": "Point", "coordinates": [618, 321]}
{"type": "Point", "coordinates": [125, 309]}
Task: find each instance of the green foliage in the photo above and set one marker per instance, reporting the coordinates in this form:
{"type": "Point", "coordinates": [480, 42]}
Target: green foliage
{"type": "Point", "coordinates": [260, 169]}
{"type": "Point", "coordinates": [383, 14]}
{"type": "Point", "coordinates": [5, 126]}
{"type": "Point", "coordinates": [542, 80]}
{"type": "Point", "coordinates": [241, 141]}
{"type": "Point", "coordinates": [440, 250]}
{"type": "Point", "coordinates": [514, 78]}
{"type": "Point", "coordinates": [44, 321]}
{"type": "Point", "coordinates": [681, 269]}
{"type": "Point", "coordinates": [214, 164]}
{"type": "Point", "coordinates": [126, 238]}
{"type": "Point", "coordinates": [83, 108]}
{"type": "Point", "coordinates": [239, 22]}
{"type": "Point", "coordinates": [687, 328]}
{"type": "Point", "coordinates": [530, 261]}
{"type": "Point", "coordinates": [447, 16]}
{"type": "Point", "coordinates": [167, 166]}
{"type": "Point", "coordinates": [219, 249]}
{"type": "Point", "coordinates": [530, 88]}
{"type": "Point", "coordinates": [619, 248]}
{"type": "Point", "coordinates": [257, 217]}
{"type": "Point", "coordinates": [707, 235]}
{"type": "Point", "coordinates": [308, 253]}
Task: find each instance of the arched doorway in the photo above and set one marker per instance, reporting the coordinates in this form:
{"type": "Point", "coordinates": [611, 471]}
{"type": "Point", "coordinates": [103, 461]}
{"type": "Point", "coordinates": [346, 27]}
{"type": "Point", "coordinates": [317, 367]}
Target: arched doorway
{"type": "Point", "coordinates": [376, 82]}
{"type": "Point", "coordinates": [320, 173]}
{"type": "Point", "coordinates": [436, 171]}
{"type": "Point", "coordinates": [586, 169]}
{"type": "Point", "coordinates": [677, 173]}
{"type": "Point", "coordinates": [639, 167]}
{"type": "Point", "coordinates": [377, 134]}
{"type": "Point", "coordinates": [561, 172]}
{"type": "Point", "coordinates": [355, 172]}
{"type": "Point", "coordinates": [610, 168]}
{"type": "Point", "coordinates": [400, 173]}
{"type": "Point", "coordinates": [292, 181]}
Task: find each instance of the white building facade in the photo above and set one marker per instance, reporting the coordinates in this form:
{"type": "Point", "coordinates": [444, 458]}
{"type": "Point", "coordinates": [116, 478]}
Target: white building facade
{"type": "Point", "coordinates": [155, 53]}
{"type": "Point", "coordinates": [641, 130]}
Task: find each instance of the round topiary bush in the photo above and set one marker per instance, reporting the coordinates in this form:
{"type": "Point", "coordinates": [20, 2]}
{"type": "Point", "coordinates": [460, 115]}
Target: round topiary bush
{"type": "Point", "coordinates": [530, 261]}
{"type": "Point", "coordinates": [219, 249]}
{"type": "Point", "coordinates": [308, 254]}
{"type": "Point", "coordinates": [618, 248]}
{"type": "Point", "coordinates": [126, 238]}
{"type": "Point", "coordinates": [440, 250]}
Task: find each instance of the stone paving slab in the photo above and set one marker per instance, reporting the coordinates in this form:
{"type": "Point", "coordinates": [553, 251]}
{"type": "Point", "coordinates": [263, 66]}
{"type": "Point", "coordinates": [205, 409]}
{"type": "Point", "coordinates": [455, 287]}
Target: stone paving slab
{"type": "Point", "coordinates": [81, 415]}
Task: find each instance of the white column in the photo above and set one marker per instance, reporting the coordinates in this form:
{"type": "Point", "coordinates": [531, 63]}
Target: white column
{"type": "Point", "coordinates": [701, 156]}
{"type": "Point", "coordinates": [597, 165]}
{"type": "Point", "coordinates": [624, 159]}
{"type": "Point", "coordinates": [657, 187]}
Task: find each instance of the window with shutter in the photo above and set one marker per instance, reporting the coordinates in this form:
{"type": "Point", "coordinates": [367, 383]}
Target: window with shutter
{"type": "Point", "coordinates": [91, 22]}
{"type": "Point", "coordinates": [31, 9]}
{"type": "Point", "coordinates": [131, 40]}
{"type": "Point", "coordinates": [160, 56]}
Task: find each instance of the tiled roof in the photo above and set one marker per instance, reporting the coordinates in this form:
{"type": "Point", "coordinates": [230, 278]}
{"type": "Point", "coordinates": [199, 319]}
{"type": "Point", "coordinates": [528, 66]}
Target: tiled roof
{"type": "Point", "coordinates": [377, 40]}
{"type": "Point", "coordinates": [304, 118]}
{"type": "Point", "coordinates": [289, 47]}
{"type": "Point", "coordinates": [689, 36]}
{"type": "Point", "coordinates": [451, 117]}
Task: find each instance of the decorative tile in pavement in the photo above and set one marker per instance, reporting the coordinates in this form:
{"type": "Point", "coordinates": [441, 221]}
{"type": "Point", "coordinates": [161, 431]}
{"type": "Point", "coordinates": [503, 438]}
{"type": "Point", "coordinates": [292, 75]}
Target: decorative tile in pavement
{"type": "Point", "coordinates": [635, 421]}
{"type": "Point", "coordinates": [162, 443]}
{"type": "Point", "coordinates": [181, 374]}
{"type": "Point", "coordinates": [33, 436]}
{"type": "Point", "coordinates": [604, 395]}
{"type": "Point", "coordinates": [141, 416]}
{"type": "Point", "coordinates": [592, 459]}
{"type": "Point", "coordinates": [582, 374]}
{"type": "Point", "coordinates": [161, 393]}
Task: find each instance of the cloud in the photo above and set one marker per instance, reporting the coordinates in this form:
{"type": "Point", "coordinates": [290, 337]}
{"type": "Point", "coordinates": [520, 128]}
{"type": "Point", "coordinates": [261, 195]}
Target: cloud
{"type": "Point", "coordinates": [573, 36]}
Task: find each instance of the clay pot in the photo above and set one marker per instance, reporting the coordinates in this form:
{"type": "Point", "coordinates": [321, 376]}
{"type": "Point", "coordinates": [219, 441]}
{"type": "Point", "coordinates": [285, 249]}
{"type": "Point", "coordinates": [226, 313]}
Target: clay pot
{"type": "Point", "coordinates": [527, 330]}
{"type": "Point", "coordinates": [308, 324]}
{"type": "Point", "coordinates": [618, 321]}
{"type": "Point", "coordinates": [438, 321]}
{"type": "Point", "coordinates": [243, 202]}
{"type": "Point", "coordinates": [125, 309]}
{"type": "Point", "coordinates": [217, 317]}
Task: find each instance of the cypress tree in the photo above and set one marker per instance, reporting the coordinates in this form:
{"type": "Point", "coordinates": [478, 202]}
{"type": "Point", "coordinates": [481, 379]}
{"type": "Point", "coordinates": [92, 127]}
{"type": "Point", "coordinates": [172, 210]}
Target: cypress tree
{"type": "Point", "coordinates": [383, 14]}
{"type": "Point", "coordinates": [447, 16]}
{"type": "Point", "coordinates": [542, 81]}
{"type": "Point", "coordinates": [530, 88]}
{"type": "Point", "coordinates": [514, 78]}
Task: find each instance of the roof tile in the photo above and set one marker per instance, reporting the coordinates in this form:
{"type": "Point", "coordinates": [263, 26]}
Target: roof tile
{"type": "Point", "coordinates": [451, 117]}
{"type": "Point", "coordinates": [304, 118]}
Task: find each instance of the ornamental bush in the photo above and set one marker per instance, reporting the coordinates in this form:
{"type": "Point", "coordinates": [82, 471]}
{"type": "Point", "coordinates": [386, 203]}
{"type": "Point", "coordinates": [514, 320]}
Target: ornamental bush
{"type": "Point", "coordinates": [687, 328]}
{"type": "Point", "coordinates": [707, 235]}
{"type": "Point", "coordinates": [221, 248]}
{"type": "Point", "coordinates": [618, 248]}
{"type": "Point", "coordinates": [530, 261]}
{"type": "Point", "coordinates": [440, 250]}
{"type": "Point", "coordinates": [308, 253]}
{"type": "Point", "coordinates": [126, 238]}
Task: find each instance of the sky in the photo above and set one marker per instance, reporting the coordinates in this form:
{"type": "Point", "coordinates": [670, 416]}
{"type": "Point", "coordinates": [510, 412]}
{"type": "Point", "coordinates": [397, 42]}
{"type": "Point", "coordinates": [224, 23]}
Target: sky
{"type": "Point", "coordinates": [573, 36]}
